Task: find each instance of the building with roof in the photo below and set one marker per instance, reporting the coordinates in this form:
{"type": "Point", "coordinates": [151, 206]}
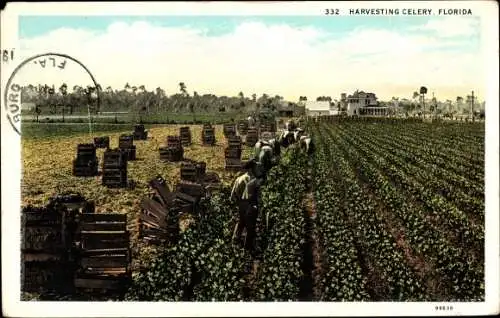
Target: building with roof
{"type": "Point", "coordinates": [317, 108]}
{"type": "Point", "coordinates": [364, 104]}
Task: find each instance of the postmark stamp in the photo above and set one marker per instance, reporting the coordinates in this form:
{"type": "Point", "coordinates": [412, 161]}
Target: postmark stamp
{"type": "Point", "coordinates": [13, 89]}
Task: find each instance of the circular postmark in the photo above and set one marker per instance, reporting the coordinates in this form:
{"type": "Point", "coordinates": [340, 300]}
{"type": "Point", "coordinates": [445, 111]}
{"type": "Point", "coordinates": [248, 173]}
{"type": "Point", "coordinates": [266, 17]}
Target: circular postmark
{"type": "Point", "coordinates": [13, 90]}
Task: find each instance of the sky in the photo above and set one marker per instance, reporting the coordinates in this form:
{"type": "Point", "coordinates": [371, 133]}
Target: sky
{"type": "Point", "coordinates": [289, 56]}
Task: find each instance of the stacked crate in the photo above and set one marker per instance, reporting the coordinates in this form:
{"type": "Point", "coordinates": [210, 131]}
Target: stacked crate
{"type": "Point", "coordinates": [159, 216]}
{"type": "Point", "coordinates": [242, 127]}
{"type": "Point", "coordinates": [229, 130]}
{"type": "Point", "coordinates": [140, 133]}
{"type": "Point", "coordinates": [46, 263]}
{"type": "Point", "coordinates": [208, 135]}
{"type": "Point", "coordinates": [268, 126]}
{"type": "Point", "coordinates": [251, 137]}
{"type": "Point", "coordinates": [193, 171]}
{"type": "Point", "coordinates": [173, 151]}
{"type": "Point", "coordinates": [101, 142]}
{"type": "Point", "coordinates": [185, 134]}
{"type": "Point", "coordinates": [114, 168]}
{"type": "Point", "coordinates": [86, 162]}
{"type": "Point", "coordinates": [126, 144]}
{"type": "Point", "coordinates": [232, 153]}
{"type": "Point", "coordinates": [103, 260]}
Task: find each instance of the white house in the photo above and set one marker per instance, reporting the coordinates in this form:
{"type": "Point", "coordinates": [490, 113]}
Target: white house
{"type": "Point", "coordinates": [315, 108]}
{"type": "Point", "coordinates": [361, 103]}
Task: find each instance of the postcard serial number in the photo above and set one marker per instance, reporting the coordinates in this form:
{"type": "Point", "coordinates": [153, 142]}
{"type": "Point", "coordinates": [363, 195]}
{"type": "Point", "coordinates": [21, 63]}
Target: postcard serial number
{"type": "Point", "coordinates": [332, 12]}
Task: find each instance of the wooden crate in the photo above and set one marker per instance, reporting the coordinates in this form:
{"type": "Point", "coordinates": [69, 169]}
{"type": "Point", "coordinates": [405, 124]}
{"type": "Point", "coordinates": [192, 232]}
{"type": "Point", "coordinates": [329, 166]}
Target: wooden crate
{"type": "Point", "coordinates": [251, 137]}
{"type": "Point", "coordinates": [104, 257]}
{"type": "Point", "coordinates": [242, 127]}
{"type": "Point", "coordinates": [174, 141]}
{"type": "Point", "coordinates": [74, 203]}
{"type": "Point", "coordinates": [192, 189]}
{"type": "Point", "coordinates": [233, 164]}
{"type": "Point", "coordinates": [189, 172]}
{"type": "Point", "coordinates": [232, 153]}
{"type": "Point", "coordinates": [269, 126]}
{"type": "Point", "coordinates": [193, 170]}
{"type": "Point", "coordinates": [46, 263]}
{"type": "Point", "coordinates": [172, 154]}
{"type": "Point", "coordinates": [125, 141]}
{"type": "Point", "coordinates": [114, 170]}
{"type": "Point", "coordinates": [101, 142]}
{"type": "Point", "coordinates": [158, 220]}
{"type": "Point", "coordinates": [140, 133]}
{"type": "Point", "coordinates": [185, 134]}
{"type": "Point", "coordinates": [234, 141]}
{"type": "Point", "coordinates": [229, 129]}
{"type": "Point", "coordinates": [86, 163]}
{"type": "Point", "coordinates": [208, 136]}
{"type": "Point", "coordinates": [126, 144]}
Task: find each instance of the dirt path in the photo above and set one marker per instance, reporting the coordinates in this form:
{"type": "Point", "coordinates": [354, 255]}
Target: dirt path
{"type": "Point", "coordinates": [312, 263]}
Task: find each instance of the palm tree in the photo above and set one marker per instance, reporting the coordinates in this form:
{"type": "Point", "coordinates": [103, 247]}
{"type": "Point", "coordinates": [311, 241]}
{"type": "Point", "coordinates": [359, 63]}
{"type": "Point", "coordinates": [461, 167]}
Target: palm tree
{"type": "Point", "coordinates": [182, 88]}
{"type": "Point", "coordinates": [423, 91]}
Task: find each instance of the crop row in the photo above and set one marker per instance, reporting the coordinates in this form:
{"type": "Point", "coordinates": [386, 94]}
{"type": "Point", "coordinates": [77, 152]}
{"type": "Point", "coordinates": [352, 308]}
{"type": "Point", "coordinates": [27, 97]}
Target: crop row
{"type": "Point", "coordinates": [280, 273]}
{"type": "Point", "coordinates": [468, 163]}
{"type": "Point", "coordinates": [449, 217]}
{"type": "Point", "coordinates": [434, 178]}
{"type": "Point", "coordinates": [394, 279]}
{"type": "Point", "coordinates": [464, 280]}
{"type": "Point", "coordinates": [460, 136]}
{"type": "Point", "coordinates": [342, 277]}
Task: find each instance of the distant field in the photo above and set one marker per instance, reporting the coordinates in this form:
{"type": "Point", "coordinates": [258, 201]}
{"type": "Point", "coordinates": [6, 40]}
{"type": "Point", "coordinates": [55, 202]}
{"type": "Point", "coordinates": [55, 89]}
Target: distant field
{"type": "Point", "coordinates": [48, 130]}
{"type": "Point", "coordinates": [181, 118]}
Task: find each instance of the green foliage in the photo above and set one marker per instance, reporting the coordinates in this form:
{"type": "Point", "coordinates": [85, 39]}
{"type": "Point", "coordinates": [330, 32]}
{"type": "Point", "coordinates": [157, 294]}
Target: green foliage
{"type": "Point", "coordinates": [201, 266]}
{"type": "Point", "coordinates": [280, 272]}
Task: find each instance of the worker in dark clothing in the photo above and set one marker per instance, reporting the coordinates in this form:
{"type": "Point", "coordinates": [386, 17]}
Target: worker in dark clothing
{"type": "Point", "coordinates": [244, 193]}
{"type": "Point", "coordinates": [252, 195]}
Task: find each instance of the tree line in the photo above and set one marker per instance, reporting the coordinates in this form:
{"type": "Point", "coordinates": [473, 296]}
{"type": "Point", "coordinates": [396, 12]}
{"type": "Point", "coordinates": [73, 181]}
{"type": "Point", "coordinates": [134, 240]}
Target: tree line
{"type": "Point", "coordinates": [137, 99]}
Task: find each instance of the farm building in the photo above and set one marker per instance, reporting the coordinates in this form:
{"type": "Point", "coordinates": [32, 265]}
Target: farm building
{"type": "Point", "coordinates": [364, 104]}
{"type": "Point", "coordinates": [317, 108]}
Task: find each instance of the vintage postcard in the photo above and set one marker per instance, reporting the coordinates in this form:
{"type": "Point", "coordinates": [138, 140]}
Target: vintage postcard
{"type": "Point", "coordinates": [250, 158]}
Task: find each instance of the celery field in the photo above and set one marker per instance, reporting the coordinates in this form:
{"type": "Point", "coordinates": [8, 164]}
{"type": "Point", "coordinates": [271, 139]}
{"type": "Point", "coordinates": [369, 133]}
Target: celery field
{"type": "Point", "coordinates": [381, 211]}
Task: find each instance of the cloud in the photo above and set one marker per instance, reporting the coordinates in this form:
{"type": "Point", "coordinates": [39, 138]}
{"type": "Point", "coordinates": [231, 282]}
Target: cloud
{"type": "Point", "coordinates": [260, 58]}
{"type": "Point", "coordinates": [454, 26]}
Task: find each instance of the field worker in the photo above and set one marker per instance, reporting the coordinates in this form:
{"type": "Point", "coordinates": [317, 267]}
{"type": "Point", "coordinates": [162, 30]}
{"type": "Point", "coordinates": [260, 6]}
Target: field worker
{"type": "Point", "coordinates": [244, 193]}
{"type": "Point", "coordinates": [251, 121]}
{"type": "Point", "coordinates": [275, 145]}
{"type": "Point", "coordinates": [265, 159]}
{"type": "Point", "coordinates": [251, 195]}
{"type": "Point", "coordinates": [297, 134]}
{"type": "Point", "coordinates": [307, 144]}
{"type": "Point", "coordinates": [286, 138]}
{"type": "Point", "coordinates": [258, 146]}
{"type": "Point", "coordinates": [239, 188]}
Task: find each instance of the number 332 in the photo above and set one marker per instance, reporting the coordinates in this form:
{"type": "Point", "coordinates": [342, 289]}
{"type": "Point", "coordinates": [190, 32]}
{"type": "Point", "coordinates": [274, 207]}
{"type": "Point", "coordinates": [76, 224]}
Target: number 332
{"type": "Point", "coordinates": [331, 11]}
